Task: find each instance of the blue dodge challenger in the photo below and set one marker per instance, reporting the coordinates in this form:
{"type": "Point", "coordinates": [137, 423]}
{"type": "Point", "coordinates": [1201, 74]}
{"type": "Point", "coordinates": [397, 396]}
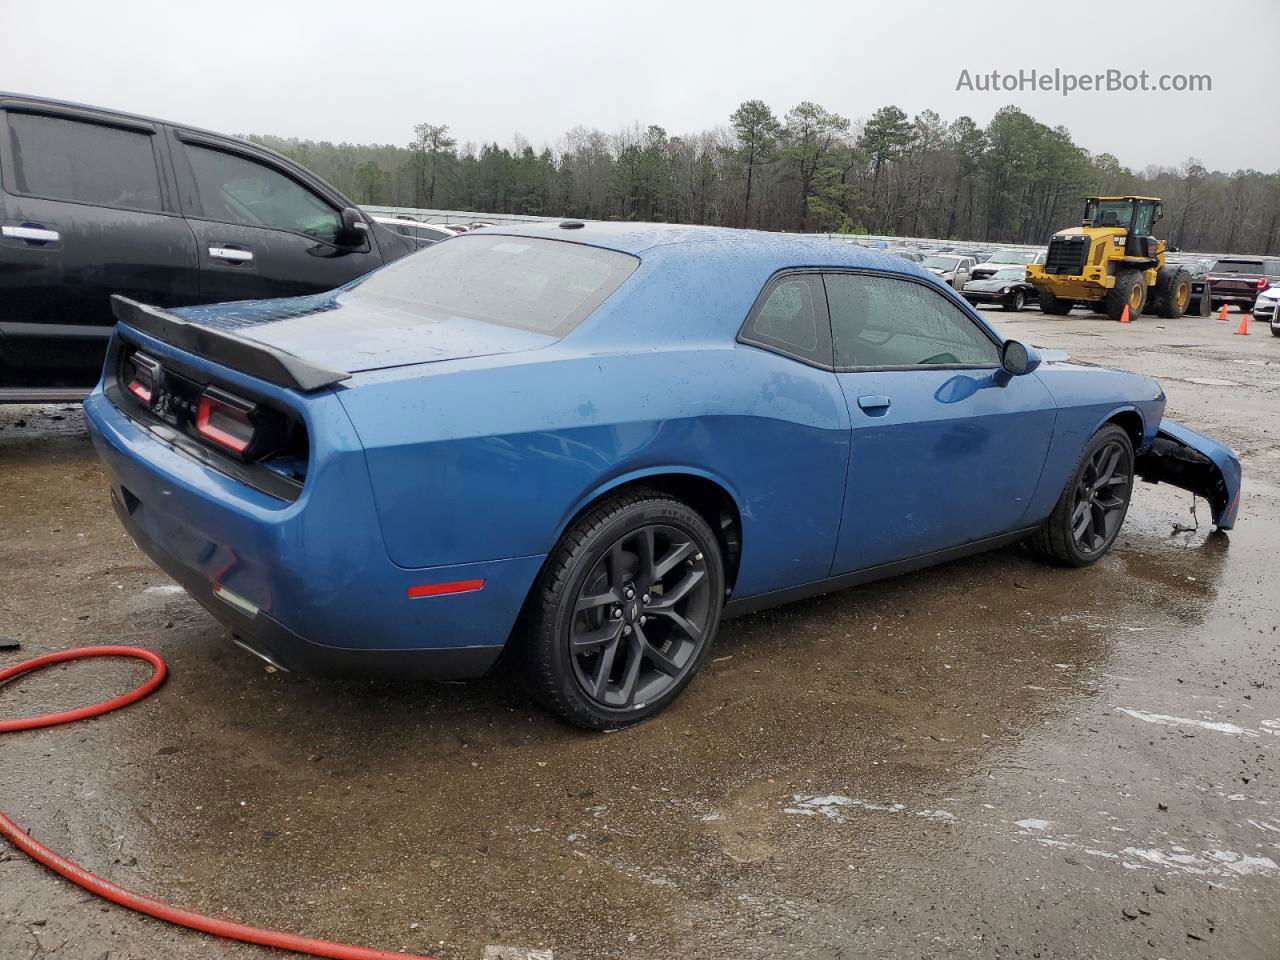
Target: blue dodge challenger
{"type": "Point", "coordinates": [590, 443]}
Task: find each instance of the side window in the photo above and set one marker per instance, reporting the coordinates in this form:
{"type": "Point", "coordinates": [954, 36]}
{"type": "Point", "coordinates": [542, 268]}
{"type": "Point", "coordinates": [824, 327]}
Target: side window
{"type": "Point", "coordinates": [791, 319]}
{"type": "Point", "coordinates": [885, 322]}
{"type": "Point", "coordinates": [60, 159]}
{"type": "Point", "coordinates": [234, 189]}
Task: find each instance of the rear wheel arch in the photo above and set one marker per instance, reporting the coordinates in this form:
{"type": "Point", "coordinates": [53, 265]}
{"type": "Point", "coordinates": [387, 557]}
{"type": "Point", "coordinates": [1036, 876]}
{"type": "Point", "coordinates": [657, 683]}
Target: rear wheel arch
{"type": "Point", "coordinates": [706, 494]}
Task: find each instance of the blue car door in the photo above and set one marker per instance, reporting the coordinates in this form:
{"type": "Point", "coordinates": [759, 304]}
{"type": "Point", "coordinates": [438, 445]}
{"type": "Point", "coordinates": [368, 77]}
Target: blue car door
{"type": "Point", "coordinates": [945, 448]}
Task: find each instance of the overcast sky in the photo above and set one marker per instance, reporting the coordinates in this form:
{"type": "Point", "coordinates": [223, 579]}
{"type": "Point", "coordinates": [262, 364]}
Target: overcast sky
{"type": "Point", "coordinates": [367, 70]}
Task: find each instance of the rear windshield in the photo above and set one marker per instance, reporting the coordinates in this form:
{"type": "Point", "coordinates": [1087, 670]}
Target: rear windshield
{"type": "Point", "coordinates": [545, 286]}
{"type": "Point", "coordinates": [1238, 266]}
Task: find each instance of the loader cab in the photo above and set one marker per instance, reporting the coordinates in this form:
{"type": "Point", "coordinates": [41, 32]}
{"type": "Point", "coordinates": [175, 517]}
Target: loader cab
{"type": "Point", "coordinates": [1136, 216]}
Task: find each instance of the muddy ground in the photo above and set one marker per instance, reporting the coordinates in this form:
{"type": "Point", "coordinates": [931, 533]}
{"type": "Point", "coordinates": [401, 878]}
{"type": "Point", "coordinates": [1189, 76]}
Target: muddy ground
{"type": "Point", "coordinates": [989, 759]}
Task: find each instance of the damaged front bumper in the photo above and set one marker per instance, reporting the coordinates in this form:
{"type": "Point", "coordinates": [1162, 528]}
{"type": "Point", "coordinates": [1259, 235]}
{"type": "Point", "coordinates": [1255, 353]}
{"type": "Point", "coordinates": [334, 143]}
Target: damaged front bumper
{"type": "Point", "coordinates": [1183, 458]}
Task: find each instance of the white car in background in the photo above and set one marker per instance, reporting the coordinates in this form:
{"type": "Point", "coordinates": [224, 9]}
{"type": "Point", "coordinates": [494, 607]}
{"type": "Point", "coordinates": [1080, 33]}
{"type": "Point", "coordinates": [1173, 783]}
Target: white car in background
{"type": "Point", "coordinates": [950, 268]}
{"type": "Point", "coordinates": [1267, 308]}
{"type": "Point", "coordinates": [1005, 258]}
{"type": "Point", "coordinates": [423, 234]}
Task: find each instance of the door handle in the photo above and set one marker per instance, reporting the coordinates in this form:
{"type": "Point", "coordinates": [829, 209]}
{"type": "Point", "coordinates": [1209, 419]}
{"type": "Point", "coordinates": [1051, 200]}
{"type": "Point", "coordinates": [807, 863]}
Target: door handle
{"type": "Point", "coordinates": [874, 402]}
{"type": "Point", "coordinates": [38, 234]}
{"type": "Point", "coordinates": [230, 254]}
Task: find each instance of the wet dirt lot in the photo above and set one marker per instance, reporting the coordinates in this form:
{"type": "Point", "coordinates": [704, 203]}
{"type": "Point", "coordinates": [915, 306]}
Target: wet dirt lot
{"type": "Point", "coordinates": [989, 759]}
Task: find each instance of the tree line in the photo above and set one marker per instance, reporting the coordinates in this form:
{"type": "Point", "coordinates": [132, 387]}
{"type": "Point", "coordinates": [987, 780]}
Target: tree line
{"type": "Point", "coordinates": [1014, 180]}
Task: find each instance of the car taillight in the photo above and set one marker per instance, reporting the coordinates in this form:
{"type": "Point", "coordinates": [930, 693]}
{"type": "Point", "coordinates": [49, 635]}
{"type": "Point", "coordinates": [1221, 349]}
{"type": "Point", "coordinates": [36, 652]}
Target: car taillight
{"type": "Point", "coordinates": [1263, 283]}
{"type": "Point", "coordinates": [226, 420]}
{"type": "Point", "coordinates": [144, 379]}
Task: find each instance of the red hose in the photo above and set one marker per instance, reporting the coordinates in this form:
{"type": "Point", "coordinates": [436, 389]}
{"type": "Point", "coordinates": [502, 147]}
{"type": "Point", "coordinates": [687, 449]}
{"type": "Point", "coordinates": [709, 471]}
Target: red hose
{"type": "Point", "coordinates": [127, 898]}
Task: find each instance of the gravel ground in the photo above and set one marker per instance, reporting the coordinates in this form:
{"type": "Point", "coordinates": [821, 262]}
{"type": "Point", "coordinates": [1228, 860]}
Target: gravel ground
{"type": "Point", "coordinates": [989, 759]}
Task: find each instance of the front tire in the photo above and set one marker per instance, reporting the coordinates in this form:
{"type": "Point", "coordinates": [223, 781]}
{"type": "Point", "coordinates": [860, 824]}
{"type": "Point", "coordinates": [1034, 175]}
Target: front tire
{"type": "Point", "coordinates": [624, 612]}
{"type": "Point", "coordinates": [1016, 303]}
{"type": "Point", "coordinates": [1131, 291]}
{"type": "Point", "coordinates": [1056, 306]}
{"type": "Point", "coordinates": [1088, 516]}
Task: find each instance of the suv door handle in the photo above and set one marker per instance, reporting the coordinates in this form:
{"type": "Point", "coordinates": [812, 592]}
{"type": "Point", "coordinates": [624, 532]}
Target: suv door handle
{"type": "Point", "coordinates": [230, 254]}
{"type": "Point", "coordinates": [38, 234]}
{"type": "Point", "coordinates": [874, 402]}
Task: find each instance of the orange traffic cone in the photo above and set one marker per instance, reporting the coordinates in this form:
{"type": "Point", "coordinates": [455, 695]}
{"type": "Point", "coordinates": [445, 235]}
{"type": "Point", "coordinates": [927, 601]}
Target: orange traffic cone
{"type": "Point", "coordinates": [1222, 314]}
{"type": "Point", "coordinates": [1124, 315]}
{"type": "Point", "coordinates": [1244, 326]}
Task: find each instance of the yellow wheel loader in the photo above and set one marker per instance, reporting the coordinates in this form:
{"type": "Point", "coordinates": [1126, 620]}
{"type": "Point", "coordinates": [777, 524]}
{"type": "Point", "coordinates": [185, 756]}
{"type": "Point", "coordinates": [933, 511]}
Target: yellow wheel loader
{"type": "Point", "coordinates": [1111, 261]}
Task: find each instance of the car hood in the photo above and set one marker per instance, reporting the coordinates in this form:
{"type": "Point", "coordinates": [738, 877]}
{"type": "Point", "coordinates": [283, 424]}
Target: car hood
{"type": "Point", "coordinates": [350, 332]}
{"type": "Point", "coordinates": [989, 284]}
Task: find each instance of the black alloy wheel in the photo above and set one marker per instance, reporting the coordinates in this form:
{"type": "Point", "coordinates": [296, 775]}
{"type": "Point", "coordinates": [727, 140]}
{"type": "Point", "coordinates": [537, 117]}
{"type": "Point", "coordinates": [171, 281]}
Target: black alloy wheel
{"type": "Point", "coordinates": [625, 610]}
{"type": "Point", "coordinates": [1101, 497]}
{"type": "Point", "coordinates": [641, 617]}
{"type": "Point", "coordinates": [1088, 515]}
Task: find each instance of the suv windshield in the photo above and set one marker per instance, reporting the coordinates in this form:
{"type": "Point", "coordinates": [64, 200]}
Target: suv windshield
{"type": "Point", "coordinates": [545, 286]}
{"type": "Point", "coordinates": [941, 263]}
{"type": "Point", "coordinates": [1012, 256]}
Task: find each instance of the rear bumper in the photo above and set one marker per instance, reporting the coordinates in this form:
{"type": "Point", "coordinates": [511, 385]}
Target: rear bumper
{"type": "Point", "coordinates": [271, 640]}
{"type": "Point", "coordinates": [312, 585]}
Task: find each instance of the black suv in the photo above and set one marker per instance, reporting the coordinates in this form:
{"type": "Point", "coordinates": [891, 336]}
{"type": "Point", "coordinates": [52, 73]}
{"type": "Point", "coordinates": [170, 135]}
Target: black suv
{"type": "Point", "coordinates": [95, 202]}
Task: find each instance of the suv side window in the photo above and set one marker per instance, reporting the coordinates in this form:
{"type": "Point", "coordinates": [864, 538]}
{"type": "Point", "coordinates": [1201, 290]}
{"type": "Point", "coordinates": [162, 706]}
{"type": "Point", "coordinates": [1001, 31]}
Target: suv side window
{"type": "Point", "coordinates": [791, 319]}
{"type": "Point", "coordinates": [879, 322]}
{"type": "Point", "coordinates": [59, 159]}
{"type": "Point", "coordinates": [235, 189]}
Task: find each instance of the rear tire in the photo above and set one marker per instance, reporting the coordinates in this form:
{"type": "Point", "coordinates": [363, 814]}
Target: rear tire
{"type": "Point", "coordinates": [624, 612]}
{"type": "Point", "coordinates": [1088, 515]}
{"type": "Point", "coordinates": [1171, 295]}
{"type": "Point", "coordinates": [1054, 305]}
{"type": "Point", "coordinates": [1130, 291]}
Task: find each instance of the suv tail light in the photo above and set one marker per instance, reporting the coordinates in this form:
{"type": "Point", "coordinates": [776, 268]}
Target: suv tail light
{"type": "Point", "coordinates": [227, 421]}
{"type": "Point", "coordinates": [144, 379]}
{"type": "Point", "coordinates": [1263, 283]}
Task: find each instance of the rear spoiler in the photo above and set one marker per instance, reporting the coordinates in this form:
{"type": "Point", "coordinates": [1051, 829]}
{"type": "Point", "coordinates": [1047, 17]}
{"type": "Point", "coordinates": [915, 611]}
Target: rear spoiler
{"type": "Point", "coordinates": [239, 353]}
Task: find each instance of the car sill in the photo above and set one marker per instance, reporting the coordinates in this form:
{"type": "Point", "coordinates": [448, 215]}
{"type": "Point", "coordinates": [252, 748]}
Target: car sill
{"type": "Point", "coordinates": [763, 601]}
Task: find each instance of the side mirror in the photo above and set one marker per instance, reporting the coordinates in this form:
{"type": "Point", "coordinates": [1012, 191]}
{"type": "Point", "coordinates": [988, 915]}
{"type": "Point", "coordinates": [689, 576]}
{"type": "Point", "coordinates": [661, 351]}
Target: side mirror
{"type": "Point", "coordinates": [1017, 358]}
{"type": "Point", "coordinates": [354, 229]}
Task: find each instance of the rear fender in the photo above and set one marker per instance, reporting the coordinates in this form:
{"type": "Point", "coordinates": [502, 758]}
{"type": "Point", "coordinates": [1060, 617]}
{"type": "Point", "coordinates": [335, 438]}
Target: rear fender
{"type": "Point", "coordinates": [1183, 458]}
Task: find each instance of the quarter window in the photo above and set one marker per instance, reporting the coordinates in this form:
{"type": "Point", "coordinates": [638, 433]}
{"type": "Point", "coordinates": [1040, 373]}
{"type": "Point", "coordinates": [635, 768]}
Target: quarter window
{"type": "Point", "coordinates": [884, 322]}
{"type": "Point", "coordinates": [93, 163]}
{"type": "Point", "coordinates": [234, 189]}
{"type": "Point", "coordinates": [792, 320]}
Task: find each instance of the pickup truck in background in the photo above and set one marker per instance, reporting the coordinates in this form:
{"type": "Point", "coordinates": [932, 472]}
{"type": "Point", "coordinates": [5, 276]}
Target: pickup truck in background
{"type": "Point", "coordinates": [95, 202]}
{"type": "Point", "coordinates": [1237, 281]}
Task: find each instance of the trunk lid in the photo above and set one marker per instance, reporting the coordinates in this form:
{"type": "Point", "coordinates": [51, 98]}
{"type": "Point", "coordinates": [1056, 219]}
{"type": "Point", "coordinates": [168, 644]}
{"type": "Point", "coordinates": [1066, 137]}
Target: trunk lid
{"type": "Point", "coordinates": [339, 331]}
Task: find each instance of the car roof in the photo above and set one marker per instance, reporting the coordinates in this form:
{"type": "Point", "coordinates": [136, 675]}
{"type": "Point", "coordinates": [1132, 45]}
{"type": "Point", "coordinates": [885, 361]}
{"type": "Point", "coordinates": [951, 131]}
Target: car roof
{"type": "Point", "coordinates": [10, 99]}
{"type": "Point", "coordinates": [762, 248]}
